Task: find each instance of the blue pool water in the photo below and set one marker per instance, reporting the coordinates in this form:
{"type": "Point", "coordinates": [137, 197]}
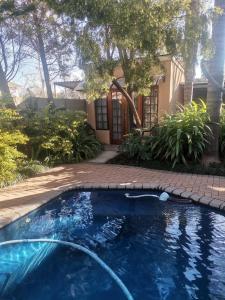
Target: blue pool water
{"type": "Point", "coordinates": [161, 250]}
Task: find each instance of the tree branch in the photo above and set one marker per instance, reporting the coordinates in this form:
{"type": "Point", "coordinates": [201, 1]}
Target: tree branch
{"type": "Point", "coordinates": [130, 102]}
{"type": "Point", "coordinates": [4, 55]}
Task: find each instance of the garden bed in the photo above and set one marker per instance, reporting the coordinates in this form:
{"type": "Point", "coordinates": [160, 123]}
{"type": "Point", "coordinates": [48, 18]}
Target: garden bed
{"type": "Point", "coordinates": [213, 169]}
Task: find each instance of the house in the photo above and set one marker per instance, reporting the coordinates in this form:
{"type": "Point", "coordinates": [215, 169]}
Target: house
{"type": "Point", "coordinates": [109, 116]}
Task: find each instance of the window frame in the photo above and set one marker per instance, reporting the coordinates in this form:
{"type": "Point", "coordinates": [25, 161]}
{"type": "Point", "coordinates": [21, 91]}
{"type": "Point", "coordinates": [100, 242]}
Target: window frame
{"type": "Point", "coordinates": [97, 121]}
{"type": "Point", "coordinates": [151, 123]}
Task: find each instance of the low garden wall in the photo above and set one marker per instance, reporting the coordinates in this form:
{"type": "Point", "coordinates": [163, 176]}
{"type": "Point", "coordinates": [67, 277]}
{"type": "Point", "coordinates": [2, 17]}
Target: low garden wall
{"type": "Point", "coordinates": [37, 103]}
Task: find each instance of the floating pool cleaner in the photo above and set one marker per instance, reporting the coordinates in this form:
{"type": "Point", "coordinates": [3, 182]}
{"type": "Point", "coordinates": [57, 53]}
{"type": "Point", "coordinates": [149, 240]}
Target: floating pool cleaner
{"type": "Point", "coordinates": [118, 281]}
{"type": "Point", "coordinates": [163, 197]}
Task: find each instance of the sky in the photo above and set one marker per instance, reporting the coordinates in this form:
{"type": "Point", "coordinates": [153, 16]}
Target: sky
{"type": "Point", "coordinates": [29, 76]}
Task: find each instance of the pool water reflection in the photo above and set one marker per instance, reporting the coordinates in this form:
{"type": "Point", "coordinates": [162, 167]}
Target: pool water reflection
{"type": "Point", "coordinates": [161, 250]}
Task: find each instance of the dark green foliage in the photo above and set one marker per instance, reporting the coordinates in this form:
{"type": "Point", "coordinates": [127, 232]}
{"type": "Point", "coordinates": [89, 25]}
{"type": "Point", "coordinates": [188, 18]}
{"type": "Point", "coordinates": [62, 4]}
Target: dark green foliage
{"type": "Point", "coordinates": [182, 137]}
{"type": "Point", "coordinates": [222, 133]}
{"type": "Point", "coordinates": [85, 145]}
{"type": "Point", "coordinates": [51, 136]}
{"type": "Point", "coordinates": [193, 168]}
{"type": "Point", "coordinates": [59, 136]}
{"type": "Point", "coordinates": [129, 33]}
{"type": "Point", "coordinates": [179, 138]}
{"type": "Point", "coordinates": [137, 147]}
{"type": "Point", "coordinates": [10, 9]}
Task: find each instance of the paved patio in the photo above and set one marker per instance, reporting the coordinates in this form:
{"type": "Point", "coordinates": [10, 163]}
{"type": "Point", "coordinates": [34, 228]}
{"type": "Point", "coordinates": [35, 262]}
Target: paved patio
{"type": "Point", "coordinates": [21, 198]}
{"type": "Point", "coordinates": [103, 157]}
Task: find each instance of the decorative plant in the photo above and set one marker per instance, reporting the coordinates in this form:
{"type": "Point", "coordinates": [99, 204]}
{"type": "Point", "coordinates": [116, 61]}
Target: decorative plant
{"type": "Point", "coordinates": [135, 146]}
{"type": "Point", "coordinates": [182, 137]}
{"type": "Point", "coordinates": [85, 144]}
{"type": "Point", "coordinates": [178, 138]}
{"type": "Point", "coordinates": [10, 139]}
{"type": "Point", "coordinates": [222, 133]}
{"type": "Point", "coordinates": [59, 136]}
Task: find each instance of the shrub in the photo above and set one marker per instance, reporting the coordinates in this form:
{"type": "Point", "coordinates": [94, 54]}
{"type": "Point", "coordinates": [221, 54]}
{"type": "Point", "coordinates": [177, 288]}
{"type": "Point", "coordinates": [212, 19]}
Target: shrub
{"type": "Point", "coordinates": [10, 139]}
{"type": "Point", "coordinates": [85, 144]}
{"type": "Point", "coordinates": [137, 147]}
{"type": "Point", "coordinates": [59, 136]}
{"type": "Point", "coordinates": [54, 136]}
{"type": "Point", "coordinates": [182, 137]}
{"type": "Point", "coordinates": [178, 138]}
{"type": "Point", "coordinates": [30, 168]}
{"type": "Point", "coordinates": [10, 120]}
{"type": "Point", "coordinates": [222, 132]}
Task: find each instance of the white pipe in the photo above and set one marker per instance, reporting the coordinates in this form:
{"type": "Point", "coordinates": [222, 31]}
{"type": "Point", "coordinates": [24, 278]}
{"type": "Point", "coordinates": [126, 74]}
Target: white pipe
{"type": "Point", "coordinates": [82, 249]}
{"type": "Point", "coordinates": [140, 196]}
{"type": "Point", "coordinates": [163, 197]}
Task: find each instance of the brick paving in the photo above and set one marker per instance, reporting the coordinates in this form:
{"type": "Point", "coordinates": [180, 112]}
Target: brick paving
{"type": "Point", "coordinates": [23, 197]}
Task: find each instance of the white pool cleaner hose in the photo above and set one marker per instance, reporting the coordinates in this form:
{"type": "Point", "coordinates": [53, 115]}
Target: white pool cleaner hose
{"type": "Point", "coordinates": [82, 249]}
{"type": "Point", "coordinates": [163, 197]}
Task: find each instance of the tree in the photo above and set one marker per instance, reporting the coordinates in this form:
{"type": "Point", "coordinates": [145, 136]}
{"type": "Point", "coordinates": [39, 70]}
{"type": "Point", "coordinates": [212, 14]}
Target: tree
{"type": "Point", "coordinates": [11, 44]}
{"type": "Point", "coordinates": [49, 39]}
{"type": "Point", "coordinates": [191, 48]}
{"type": "Point", "coordinates": [41, 50]}
{"type": "Point", "coordinates": [10, 9]}
{"type": "Point", "coordinates": [12, 54]}
{"type": "Point", "coordinates": [129, 33]}
{"type": "Point", "coordinates": [195, 41]}
{"type": "Point", "coordinates": [215, 75]}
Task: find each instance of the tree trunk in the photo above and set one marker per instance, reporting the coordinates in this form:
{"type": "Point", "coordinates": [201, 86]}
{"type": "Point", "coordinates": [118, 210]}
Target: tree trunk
{"type": "Point", "coordinates": [192, 45]}
{"type": "Point", "coordinates": [130, 102]}
{"type": "Point", "coordinates": [43, 58]}
{"type": "Point", "coordinates": [6, 96]}
{"type": "Point", "coordinates": [216, 83]}
{"type": "Point", "coordinates": [188, 85]}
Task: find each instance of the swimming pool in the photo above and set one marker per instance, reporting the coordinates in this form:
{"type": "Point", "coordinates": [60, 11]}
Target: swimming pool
{"type": "Point", "coordinates": [161, 250]}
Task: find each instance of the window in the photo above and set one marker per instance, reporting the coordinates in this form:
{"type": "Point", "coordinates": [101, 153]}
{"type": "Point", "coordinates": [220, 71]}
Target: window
{"type": "Point", "coordinates": [117, 131]}
{"type": "Point", "coordinates": [150, 108]}
{"type": "Point", "coordinates": [101, 114]}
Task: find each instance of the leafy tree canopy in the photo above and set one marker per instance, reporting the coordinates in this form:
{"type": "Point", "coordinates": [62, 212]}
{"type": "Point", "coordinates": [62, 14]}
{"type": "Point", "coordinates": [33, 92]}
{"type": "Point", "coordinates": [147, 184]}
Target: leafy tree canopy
{"type": "Point", "coordinates": [129, 33]}
{"type": "Point", "coordinates": [9, 8]}
{"type": "Point", "coordinates": [56, 34]}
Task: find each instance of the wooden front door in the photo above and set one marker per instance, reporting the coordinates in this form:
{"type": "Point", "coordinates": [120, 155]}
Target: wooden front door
{"type": "Point", "coordinates": [117, 117]}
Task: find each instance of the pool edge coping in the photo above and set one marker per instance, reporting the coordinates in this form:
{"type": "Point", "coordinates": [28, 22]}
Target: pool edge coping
{"type": "Point", "coordinates": [195, 197]}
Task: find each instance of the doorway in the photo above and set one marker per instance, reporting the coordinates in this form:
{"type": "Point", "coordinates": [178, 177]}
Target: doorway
{"type": "Point", "coordinates": [117, 117]}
